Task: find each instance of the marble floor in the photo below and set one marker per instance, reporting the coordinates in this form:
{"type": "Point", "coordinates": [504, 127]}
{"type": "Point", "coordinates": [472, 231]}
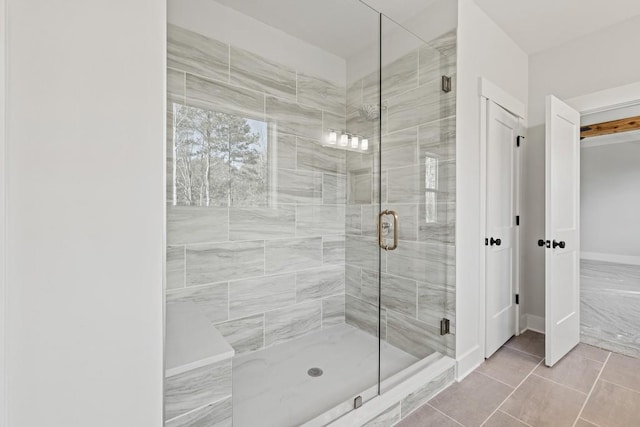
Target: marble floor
{"type": "Point", "coordinates": [272, 388]}
{"type": "Point", "coordinates": [590, 387]}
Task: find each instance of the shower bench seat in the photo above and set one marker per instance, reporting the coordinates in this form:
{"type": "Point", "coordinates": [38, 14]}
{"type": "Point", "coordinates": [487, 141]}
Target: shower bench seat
{"type": "Point", "coordinates": [198, 380]}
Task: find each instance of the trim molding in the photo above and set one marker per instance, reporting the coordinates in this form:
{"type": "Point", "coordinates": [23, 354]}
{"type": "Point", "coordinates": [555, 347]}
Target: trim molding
{"type": "Point", "coordinates": [605, 100]}
{"type": "Point", "coordinates": [533, 323]}
{"type": "Point", "coordinates": [491, 91]}
{"type": "Point", "coordinates": [469, 361]}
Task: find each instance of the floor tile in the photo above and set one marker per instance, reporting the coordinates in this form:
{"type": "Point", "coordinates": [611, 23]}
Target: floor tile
{"type": "Point", "coordinates": [426, 416]}
{"type": "Point", "coordinates": [529, 342]}
{"type": "Point", "coordinates": [500, 419]}
{"type": "Point", "coordinates": [612, 406]}
{"type": "Point", "coordinates": [590, 352]}
{"type": "Point", "coordinates": [573, 371]}
{"type": "Point", "coordinates": [509, 366]}
{"type": "Point", "coordinates": [542, 403]}
{"type": "Point", "coordinates": [622, 370]}
{"type": "Point", "coordinates": [481, 396]}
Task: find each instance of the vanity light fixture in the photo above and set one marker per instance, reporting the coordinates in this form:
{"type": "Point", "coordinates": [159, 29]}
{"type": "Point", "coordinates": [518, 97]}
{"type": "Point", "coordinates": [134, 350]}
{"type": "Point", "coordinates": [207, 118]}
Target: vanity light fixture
{"type": "Point", "coordinates": [364, 144]}
{"type": "Point", "coordinates": [354, 141]}
{"type": "Point", "coordinates": [344, 140]}
{"type": "Point", "coordinates": [333, 137]}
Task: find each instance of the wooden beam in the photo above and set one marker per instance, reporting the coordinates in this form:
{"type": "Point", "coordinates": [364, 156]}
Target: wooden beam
{"type": "Point", "coordinates": [607, 128]}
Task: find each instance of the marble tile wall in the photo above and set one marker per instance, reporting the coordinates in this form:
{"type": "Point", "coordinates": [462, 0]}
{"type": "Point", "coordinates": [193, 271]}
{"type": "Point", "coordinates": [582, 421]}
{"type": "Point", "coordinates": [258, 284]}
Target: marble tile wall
{"type": "Point", "coordinates": [416, 174]}
{"type": "Point", "coordinates": [272, 272]}
{"type": "Point", "coordinates": [610, 306]}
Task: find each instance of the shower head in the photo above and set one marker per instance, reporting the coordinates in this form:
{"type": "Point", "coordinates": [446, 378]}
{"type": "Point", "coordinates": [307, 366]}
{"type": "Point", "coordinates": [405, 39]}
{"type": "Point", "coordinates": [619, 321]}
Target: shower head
{"type": "Point", "coordinates": [371, 112]}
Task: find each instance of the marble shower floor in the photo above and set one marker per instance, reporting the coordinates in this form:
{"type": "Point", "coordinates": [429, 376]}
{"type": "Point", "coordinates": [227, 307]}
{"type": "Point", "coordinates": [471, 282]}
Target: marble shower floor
{"type": "Point", "coordinates": [589, 387]}
{"type": "Point", "coordinates": [271, 387]}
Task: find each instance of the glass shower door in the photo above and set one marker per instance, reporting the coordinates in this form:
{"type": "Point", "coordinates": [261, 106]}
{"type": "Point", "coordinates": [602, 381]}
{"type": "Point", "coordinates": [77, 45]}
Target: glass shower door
{"type": "Point", "coordinates": [417, 198]}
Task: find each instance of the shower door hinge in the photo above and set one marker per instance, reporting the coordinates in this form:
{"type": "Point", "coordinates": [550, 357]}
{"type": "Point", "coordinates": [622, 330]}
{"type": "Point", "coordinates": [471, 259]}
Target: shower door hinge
{"type": "Point", "coordinates": [517, 219]}
{"type": "Point", "coordinates": [519, 140]}
{"type": "Point", "coordinates": [446, 84]}
{"type": "Point", "coordinates": [444, 326]}
{"type": "Point", "coordinates": [517, 298]}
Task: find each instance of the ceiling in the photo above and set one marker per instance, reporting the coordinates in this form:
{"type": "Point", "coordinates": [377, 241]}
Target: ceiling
{"type": "Point", "coordinates": [342, 27]}
{"type": "Point", "coordinates": [537, 25]}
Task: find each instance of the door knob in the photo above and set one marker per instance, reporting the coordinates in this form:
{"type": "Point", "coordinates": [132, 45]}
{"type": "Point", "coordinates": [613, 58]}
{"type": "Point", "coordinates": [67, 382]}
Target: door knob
{"type": "Point", "coordinates": [496, 242]}
{"type": "Point", "coordinates": [562, 244]}
{"type": "Point", "coordinates": [544, 243]}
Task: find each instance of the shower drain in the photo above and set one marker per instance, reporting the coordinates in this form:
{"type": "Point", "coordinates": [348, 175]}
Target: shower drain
{"type": "Point", "coordinates": [314, 372]}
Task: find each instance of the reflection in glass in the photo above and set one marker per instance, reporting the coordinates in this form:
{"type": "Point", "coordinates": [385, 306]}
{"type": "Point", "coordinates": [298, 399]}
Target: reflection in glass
{"type": "Point", "coordinates": [431, 188]}
{"type": "Point", "coordinates": [219, 159]}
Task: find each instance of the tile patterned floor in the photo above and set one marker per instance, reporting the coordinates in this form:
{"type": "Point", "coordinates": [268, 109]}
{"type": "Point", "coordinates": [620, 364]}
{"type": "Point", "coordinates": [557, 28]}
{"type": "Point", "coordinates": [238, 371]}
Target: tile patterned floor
{"type": "Point", "coordinates": [589, 387]}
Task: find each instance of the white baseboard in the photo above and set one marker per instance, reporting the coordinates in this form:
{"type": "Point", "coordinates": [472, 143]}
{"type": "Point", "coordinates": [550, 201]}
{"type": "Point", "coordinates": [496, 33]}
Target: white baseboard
{"type": "Point", "coordinates": [532, 323]}
{"type": "Point", "coordinates": [468, 362]}
{"type": "Point", "coordinates": [618, 259]}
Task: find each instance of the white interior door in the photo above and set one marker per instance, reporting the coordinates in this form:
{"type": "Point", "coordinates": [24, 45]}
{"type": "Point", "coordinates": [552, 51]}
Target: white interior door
{"type": "Point", "coordinates": [562, 256]}
{"type": "Point", "coordinates": [500, 242]}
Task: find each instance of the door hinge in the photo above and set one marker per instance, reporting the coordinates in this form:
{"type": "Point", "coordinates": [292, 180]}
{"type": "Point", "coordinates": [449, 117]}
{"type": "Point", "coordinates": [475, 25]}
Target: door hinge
{"type": "Point", "coordinates": [517, 219]}
{"type": "Point", "coordinates": [446, 84]}
{"type": "Point", "coordinates": [444, 326]}
{"type": "Point", "coordinates": [517, 298]}
{"type": "Point", "coordinates": [519, 139]}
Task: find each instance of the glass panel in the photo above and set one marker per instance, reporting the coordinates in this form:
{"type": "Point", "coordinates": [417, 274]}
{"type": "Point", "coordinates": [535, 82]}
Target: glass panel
{"type": "Point", "coordinates": [272, 199]}
{"type": "Point", "coordinates": [417, 170]}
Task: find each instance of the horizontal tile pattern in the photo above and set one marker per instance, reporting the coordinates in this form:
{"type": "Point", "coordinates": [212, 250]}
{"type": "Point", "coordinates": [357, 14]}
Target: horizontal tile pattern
{"type": "Point", "coordinates": [424, 262]}
{"type": "Point", "coordinates": [262, 294]}
{"type": "Point", "coordinates": [319, 220]}
{"type": "Point", "coordinates": [321, 94]}
{"type": "Point", "coordinates": [217, 262]}
{"type": "Point", "coordinates": [196, 388]}
{"type": "Point", "coordinates": [293, 254]}
{"type": "Point", "coordinates": [413, 336]}
{"type": "Point", "coordinates": [417, 398]}
{"type": "Point", "coordinates": [333, 250]}
{"type": "Point", "coordinates": [333, 309]}
{"type": "Point", "coordinates": [262, 223]}
{"type": "Point", "coordinates": [257, 72]}
{"type": "Point", "coordinates": [196, 54]}
{"type": "Point", "coordinates": [292, 322]}
{"type": "Point", "coordinates": [211, 300]}
{"type": "Point", "coordinates": [610, 305]}
{"type": "Point", "coordinates": [194, 224]}
{"type": "Point", "coordinates": [312, 156]}
{"type": "Point", "coordinates": [303, 187]}
{"type": "Point", "coordinates": [219, 414]}
{"type": "Point", "coordinates": [334, 189]}
{"type": "Point", "coordinates": [319, 283]}
{"type": "Point", "coordinates": [422, 105]}
{"type": "Point", "coordinates": [246, 334]}
{"type": "Point", "coordinates": [224, 98]}
{"type": "Point", "coordinates": [362, 315]}
{"type": "Point", "coordinates": [294, 118]}
{"type": "Point", "coordinates": [175, 267]}
{"type": "Point", "coordinates": [400, 76]}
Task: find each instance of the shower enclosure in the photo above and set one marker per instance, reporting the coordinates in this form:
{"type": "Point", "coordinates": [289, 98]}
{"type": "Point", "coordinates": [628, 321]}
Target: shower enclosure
{"type": "Point", "coordinates": [310, 210]}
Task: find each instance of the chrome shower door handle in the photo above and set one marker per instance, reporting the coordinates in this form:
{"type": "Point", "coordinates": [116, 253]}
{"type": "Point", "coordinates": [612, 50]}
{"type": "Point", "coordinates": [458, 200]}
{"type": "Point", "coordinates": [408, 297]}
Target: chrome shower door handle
{"type": "Point", "coordinates": [381, 240]}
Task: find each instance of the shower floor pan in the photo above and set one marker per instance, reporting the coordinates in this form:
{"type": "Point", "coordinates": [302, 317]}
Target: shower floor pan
{"type": "Point", "coordinates": [283, 386]}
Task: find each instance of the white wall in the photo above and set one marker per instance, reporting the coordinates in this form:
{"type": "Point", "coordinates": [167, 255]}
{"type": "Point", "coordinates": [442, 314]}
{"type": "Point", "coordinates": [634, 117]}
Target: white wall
{"type": "Point", "coordinates": [610, 199]}
{"type": "Point", "coordinates": [566, 71]}
{"type": "Point", "coordinates": [85, 212]}
{"type": "Point", "coordinates": [3, 128]}
{"type": "Point", "coordinates": [484, 50]}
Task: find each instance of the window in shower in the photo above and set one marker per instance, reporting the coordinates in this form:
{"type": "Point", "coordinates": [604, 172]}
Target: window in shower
{"type": "Point", "coordinates": [431, 189]}
{"type": "Point", "coordinates": [220, 159]}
